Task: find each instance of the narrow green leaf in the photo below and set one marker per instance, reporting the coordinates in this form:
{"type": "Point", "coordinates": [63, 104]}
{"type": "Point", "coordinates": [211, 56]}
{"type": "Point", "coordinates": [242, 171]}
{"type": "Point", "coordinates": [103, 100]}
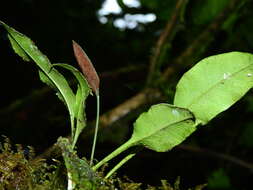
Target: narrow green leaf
{"type": "Point", "coordinates": [163, 127]}
{"type": "Point", "coordinates": [18, 50]}
{"type": "Point", "coordinates": [83, 90]}
{"type": "Point", "coordinates": [81, 115]}
{"type": "Point", "coordinates": [44, 78]}
{"type": "Point", "coordinates": [214, 84]}
{"type": "Point", "coordinates": [84, 87]}
{"type": "Point", "coordinates": [30, 51]}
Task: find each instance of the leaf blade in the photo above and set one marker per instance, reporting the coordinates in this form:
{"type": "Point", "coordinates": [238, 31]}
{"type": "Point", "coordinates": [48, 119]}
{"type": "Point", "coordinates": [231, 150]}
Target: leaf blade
{"type": "Point", "coordinates": [26, 48]}
{"type": "Point", "coordinates": [214, 84]}
{"type": "Point", "coordinates": [163, 127]}
{"type": "Point", "coordinates": [83, 90]}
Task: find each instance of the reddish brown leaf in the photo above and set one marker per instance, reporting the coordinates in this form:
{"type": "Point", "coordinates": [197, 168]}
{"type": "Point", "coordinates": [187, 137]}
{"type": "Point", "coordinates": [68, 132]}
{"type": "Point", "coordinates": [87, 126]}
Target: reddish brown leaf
{"type": "Point", "coordinates": [86, 67]}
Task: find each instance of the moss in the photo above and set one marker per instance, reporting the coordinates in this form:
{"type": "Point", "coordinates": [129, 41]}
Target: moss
{"type": "Point", "coordinates": [20, 171]}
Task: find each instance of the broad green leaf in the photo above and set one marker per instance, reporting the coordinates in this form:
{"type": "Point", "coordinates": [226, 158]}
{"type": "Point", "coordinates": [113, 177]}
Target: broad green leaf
{"type": "Point", "coordinates": [161, 128]}
{"type": "Point", "coordinates": [83, 90]}
{"type": "Point", "coordinates": [214, 84]}
{"type": "Point", "coordinates": [20, 42]}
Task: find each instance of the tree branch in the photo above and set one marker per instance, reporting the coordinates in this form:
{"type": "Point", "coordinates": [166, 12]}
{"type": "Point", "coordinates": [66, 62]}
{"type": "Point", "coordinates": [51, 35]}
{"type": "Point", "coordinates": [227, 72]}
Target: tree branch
{"type": "Point", "coordinates": [142, 98]}
{"type": "Point", "coordinates": [204, 38]}
{"type": "Point", "coordinates": [165, 37]}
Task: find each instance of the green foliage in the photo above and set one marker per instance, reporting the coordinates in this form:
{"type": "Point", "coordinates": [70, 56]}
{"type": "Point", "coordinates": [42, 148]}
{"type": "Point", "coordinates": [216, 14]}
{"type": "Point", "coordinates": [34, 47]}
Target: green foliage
{"type": "Point", "coordinates": [219, 180]}
{"type": "Point", "coordinates": [25, 48]}
{"type": "Point", "coordinates": [162, 127]}
{"type": "Point", "coordinates": [214, 84]}
{"type": "Point", "coordinates": [209, 88]}
{"type": "Point", "coordinates": [82, 93]}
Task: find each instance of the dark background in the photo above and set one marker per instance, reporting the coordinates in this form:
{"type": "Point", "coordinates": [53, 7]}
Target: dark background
{"type": "Point", "coordinates": [30, 113]}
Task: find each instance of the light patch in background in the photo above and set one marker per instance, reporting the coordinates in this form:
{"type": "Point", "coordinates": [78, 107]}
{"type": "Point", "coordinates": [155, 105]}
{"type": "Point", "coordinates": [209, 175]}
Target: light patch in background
{"type": "Point", "coordinates": [132, 3]}
{"type": "Point", "coordinates": [109, 7]}
{"type": "Point", "coordinates": [129, 21]}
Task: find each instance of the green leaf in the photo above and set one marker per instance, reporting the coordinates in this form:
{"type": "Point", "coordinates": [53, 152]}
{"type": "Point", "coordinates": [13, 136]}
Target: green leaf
{"type": "Point", "coordinates": [163, 127]}
{"type": "Point", "coordinates": [83, 84]}
{"type": "Point", "coordinates": [44, 78]}
{"type": "Point", "coordinates": [25, 48]}
{"type": "Point", "coordinates": [18, 50]}
{"type": "Point", "coordinates": [83, 90]}
{"type": "Point", "coordinates": [214, 84]}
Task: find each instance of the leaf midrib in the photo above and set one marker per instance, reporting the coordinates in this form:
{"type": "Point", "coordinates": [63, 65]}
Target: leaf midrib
{"type": "Point", "coordinates": [43, 69]}
{"type": "Point", "coordinates": [137, 140]}
{"type": "Point", "coordinates": [212, 87]}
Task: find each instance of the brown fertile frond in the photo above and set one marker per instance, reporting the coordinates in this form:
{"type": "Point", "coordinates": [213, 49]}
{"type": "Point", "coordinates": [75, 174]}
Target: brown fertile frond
{"type": "Point", "coordinates": [86, 67]}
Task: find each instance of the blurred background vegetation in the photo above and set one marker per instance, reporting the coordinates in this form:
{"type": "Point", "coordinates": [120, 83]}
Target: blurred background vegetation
{"type": "Point", "coordinates": [140, 49]}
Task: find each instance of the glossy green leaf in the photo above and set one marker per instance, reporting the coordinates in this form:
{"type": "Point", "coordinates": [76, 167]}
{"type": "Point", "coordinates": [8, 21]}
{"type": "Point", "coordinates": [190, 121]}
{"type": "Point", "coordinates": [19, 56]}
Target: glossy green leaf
{"type": "Point", "coordinates": [26, 48]}
{"type": "Point", "coordinates": [44, 78]}
{"type": "Point", "coordinates": [18, 50]}
{"type": "Point", "coordinates": [163, 127]}
{"type": "Point", "coordinates": [214, 84]}
{"type": "Point", "coordinates": [83, 85]}
{"type": "Point", "coordinates": [83, 90]}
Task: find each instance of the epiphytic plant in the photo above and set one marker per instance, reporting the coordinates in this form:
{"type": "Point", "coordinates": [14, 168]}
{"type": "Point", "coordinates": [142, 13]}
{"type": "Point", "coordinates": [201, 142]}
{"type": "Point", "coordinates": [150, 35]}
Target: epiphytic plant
{"type": "Point", "coordinates": [209, 88]}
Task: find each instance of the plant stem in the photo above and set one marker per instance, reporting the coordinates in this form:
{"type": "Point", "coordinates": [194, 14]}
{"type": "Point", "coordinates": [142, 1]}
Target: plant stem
{"type": "Point", "coordinates": [123, 161]}
{"type": "Point", "coordinates": [72, 121]}
{"type": "Point", "coordinates": [96, 132]}
{"type": "Point", "coordinates": [115, 153]}
{"type": "Point", "coordinates": [71, 184]}
{"type": "Point", "coordinates": [74, 139]}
